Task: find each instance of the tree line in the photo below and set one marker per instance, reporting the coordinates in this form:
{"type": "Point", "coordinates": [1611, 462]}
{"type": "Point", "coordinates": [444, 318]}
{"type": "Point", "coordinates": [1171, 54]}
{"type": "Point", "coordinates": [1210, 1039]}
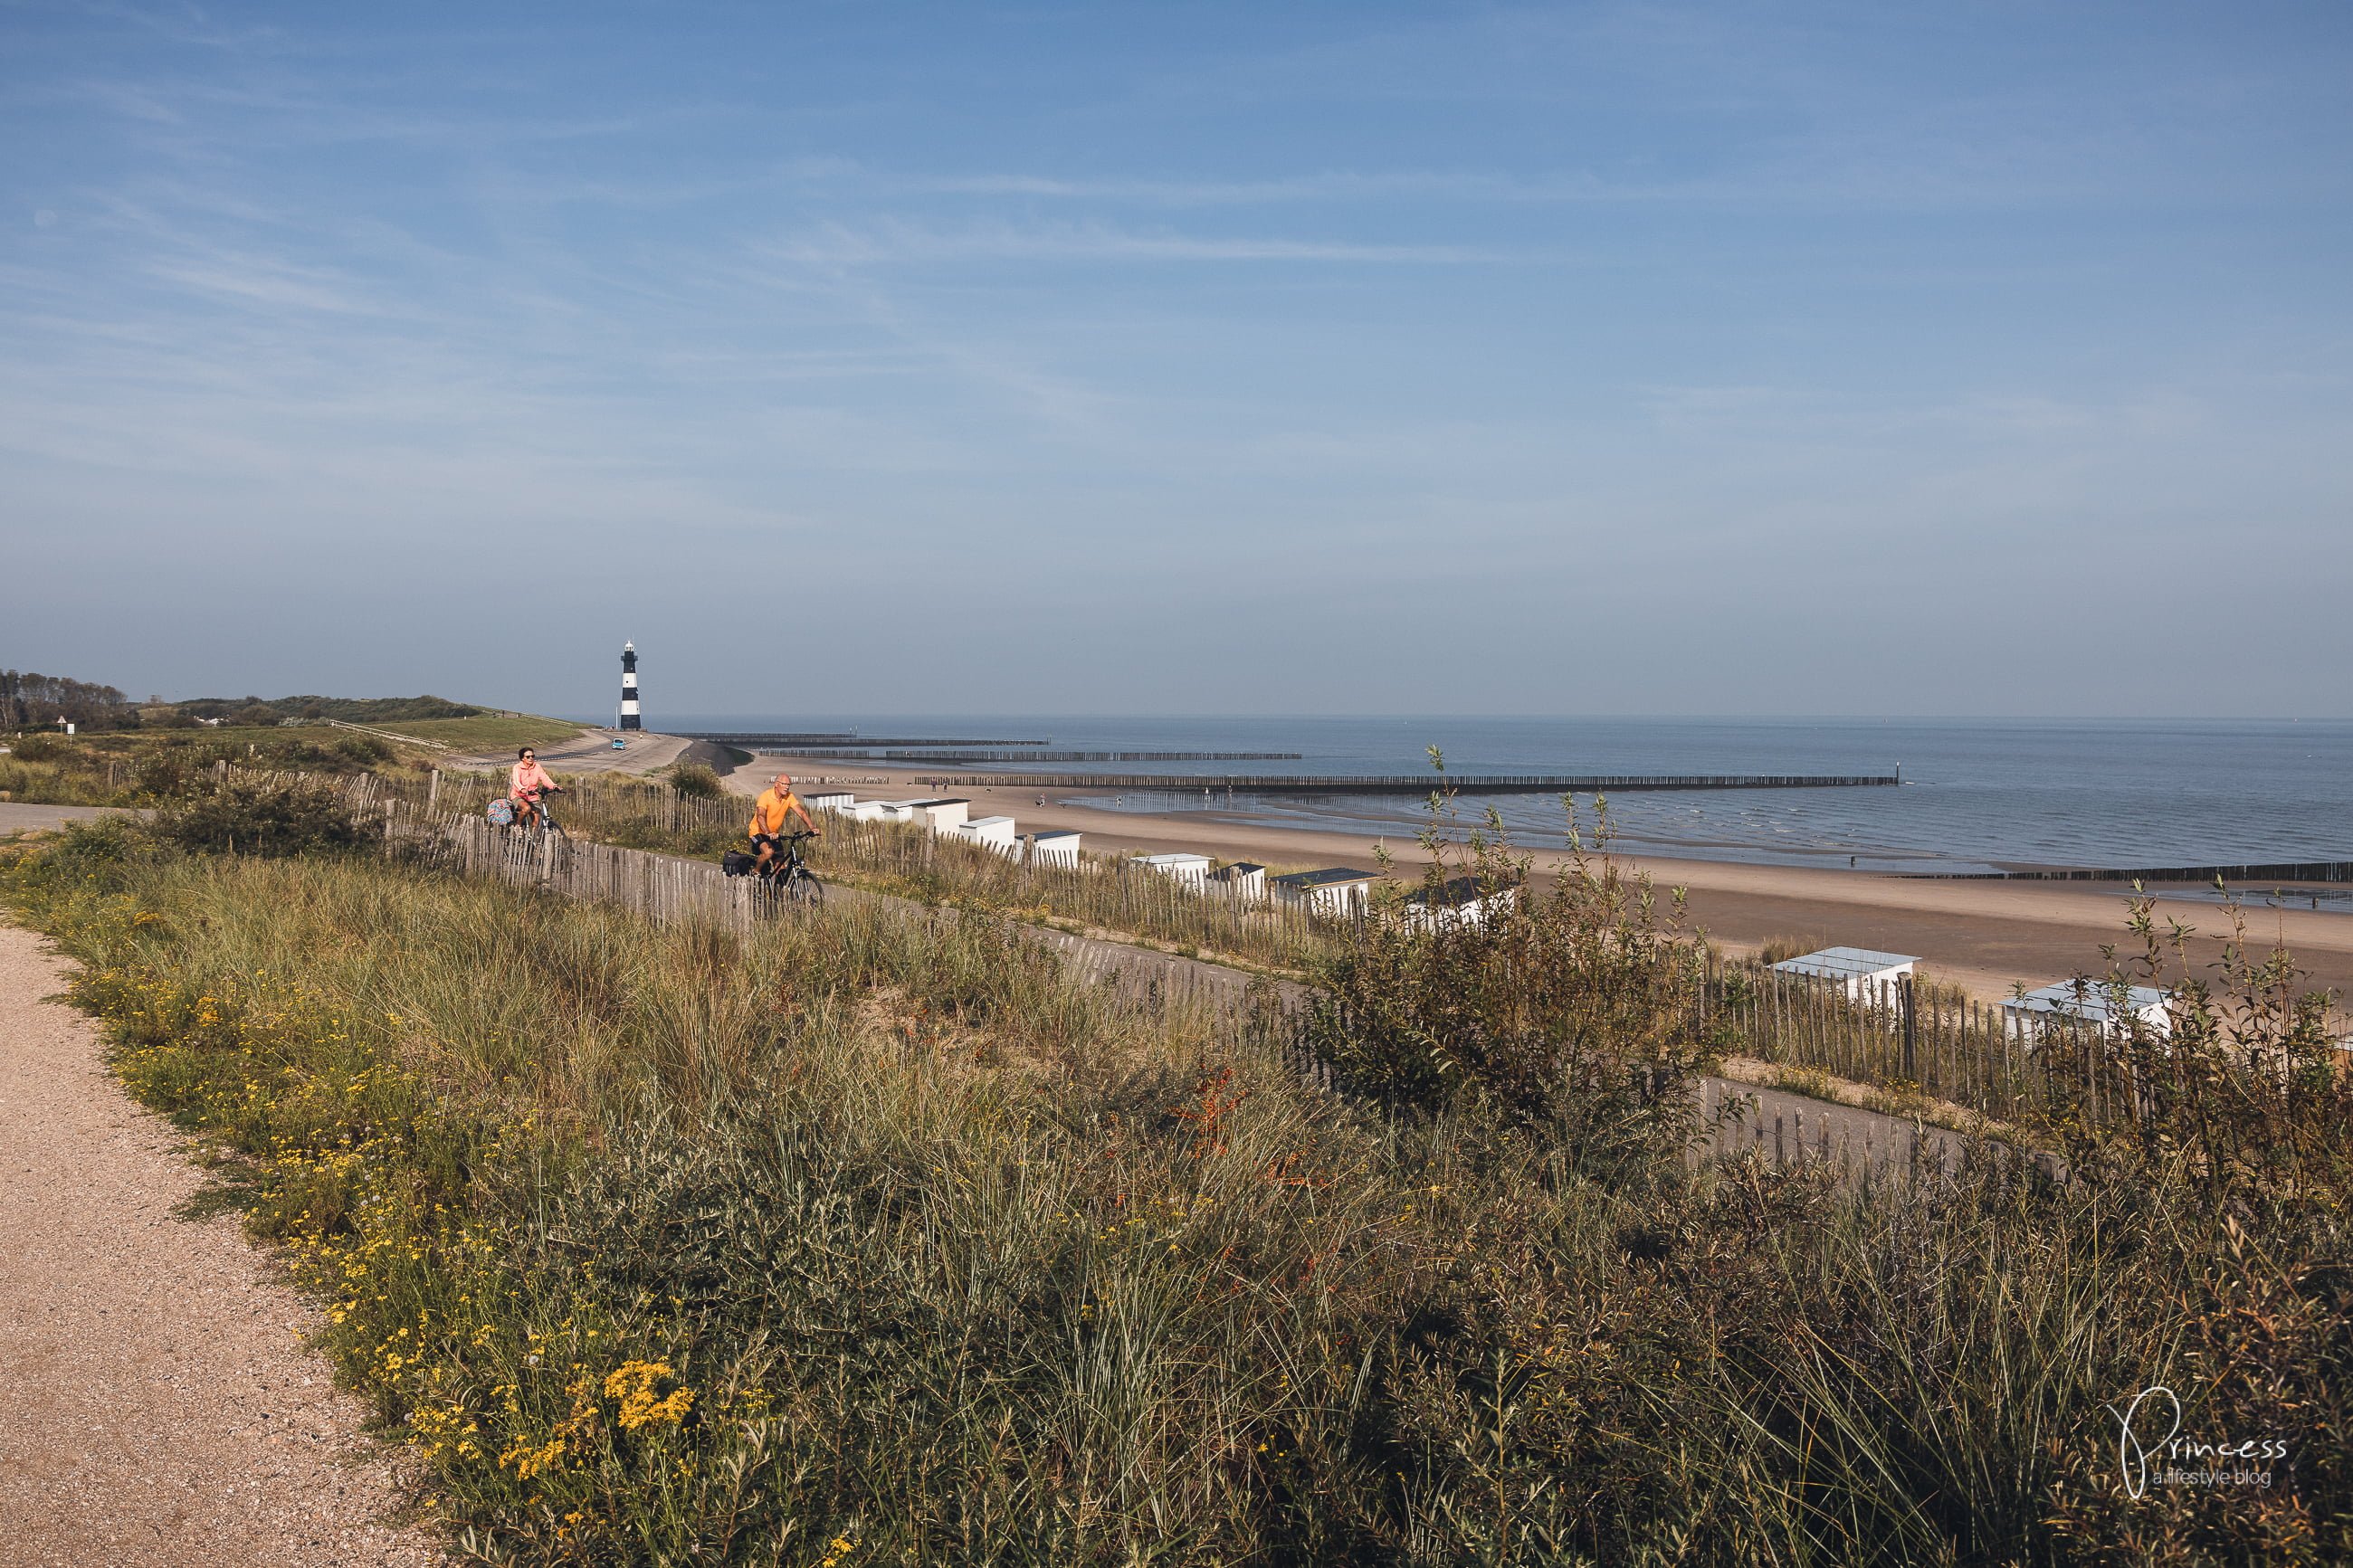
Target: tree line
{"type": "Point", "coordinates": [29, 699]}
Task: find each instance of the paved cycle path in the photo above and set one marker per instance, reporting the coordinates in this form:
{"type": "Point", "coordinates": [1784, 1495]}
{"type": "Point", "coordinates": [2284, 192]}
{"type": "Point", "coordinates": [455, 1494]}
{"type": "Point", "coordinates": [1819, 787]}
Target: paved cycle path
{"type": "Point", "coordinates": [19, 816]}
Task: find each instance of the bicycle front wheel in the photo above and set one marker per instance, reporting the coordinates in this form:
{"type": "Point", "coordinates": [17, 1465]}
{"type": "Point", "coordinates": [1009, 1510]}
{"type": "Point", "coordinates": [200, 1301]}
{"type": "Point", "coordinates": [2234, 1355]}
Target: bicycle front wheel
{"type": "Point", "coordinates": [807, 891]}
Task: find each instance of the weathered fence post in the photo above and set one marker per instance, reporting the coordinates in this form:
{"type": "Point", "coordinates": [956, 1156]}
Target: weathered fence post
{"type": "Point", "coordinates": [1910, 1029]}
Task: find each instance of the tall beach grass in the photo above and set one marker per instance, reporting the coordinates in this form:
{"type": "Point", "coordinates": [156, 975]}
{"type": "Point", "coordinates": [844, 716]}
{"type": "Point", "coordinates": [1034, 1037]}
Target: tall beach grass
{"type": "Point", "coordinates": [875, 1238]}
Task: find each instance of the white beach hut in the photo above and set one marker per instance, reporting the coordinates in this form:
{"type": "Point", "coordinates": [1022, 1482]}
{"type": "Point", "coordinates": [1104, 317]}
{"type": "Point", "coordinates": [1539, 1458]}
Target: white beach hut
{"type": "Point", "coordinates": [944, 815]}
{"type": "Point", "coordinates": [1464, 901]}
{"type": "Point", "coordinates": [1059, 848]}
{"type": "Point", "coordinates": [862, 810]}
{"type": "Point", "coordinates": [1859, 970]}
{"type": "Point", "coordinates": [940, 814]}
{"type": "Point", "coordinates": [2093, 1002]}
{"type": "Point", "coordinates": [1334, 891]}
{"type": "Point", "coordinates": [1242, 881]}
{"type": "Point", "coordinates": [830, 800]}
{"type": "Point", "coordinates": [1192, 871]}
{"type": "Point", "coordinates": [990, 833]}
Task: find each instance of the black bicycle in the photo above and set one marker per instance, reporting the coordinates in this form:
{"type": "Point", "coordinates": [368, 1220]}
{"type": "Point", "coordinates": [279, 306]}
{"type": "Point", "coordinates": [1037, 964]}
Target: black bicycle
{"type": "Point", "coordinates": [530, 815]}
{"type": "Point", "coordinates": [789, 875]}
{"type": "Point", "coordinates": [535, 815]}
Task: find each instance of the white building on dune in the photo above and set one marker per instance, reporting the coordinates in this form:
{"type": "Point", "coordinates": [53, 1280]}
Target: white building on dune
{"type": "Point", "coordinates": [834, 800]}
{"type": "Point", "coordinates": [1057, 848]}
{"type": "Point", "coordinates": [1334, 890]}
{"type": "Point", "coordinates": [940, 814]}
{"type": "Point", "coordinates": [990, 833]}
{"type": "Point", "coordinates": [1860, 973]}
{"type": "Point", "coordinates": [1243, 881]}
{"type": "Point", "coordinates": [2089, 1002]}
{"type": "Point", "coordinates": [1458, 900]}
{"type": "Point", "coordinates": [1191, 870]}
{"type": "Point", "coordinates": [944, 815]}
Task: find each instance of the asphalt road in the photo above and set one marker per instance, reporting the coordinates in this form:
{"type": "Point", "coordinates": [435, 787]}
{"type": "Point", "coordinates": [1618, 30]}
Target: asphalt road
{"type": "Point", "coordinates": [16, 817]}
{"type": "Point", "coordinates": [592, 751]}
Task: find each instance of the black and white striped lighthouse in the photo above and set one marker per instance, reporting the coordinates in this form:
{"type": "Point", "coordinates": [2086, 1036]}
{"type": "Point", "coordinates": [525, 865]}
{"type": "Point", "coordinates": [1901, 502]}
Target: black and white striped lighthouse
{"type": "Point", "coordinates": [629, 720]}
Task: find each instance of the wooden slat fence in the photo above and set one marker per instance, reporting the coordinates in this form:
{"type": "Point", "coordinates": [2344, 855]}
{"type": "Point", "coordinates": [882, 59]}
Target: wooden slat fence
{"type": "Point", "coordinates": [1899, 1037]}
{"type": "Point", "coordinates": [1102, 891]}
{"type": "Point", "coordinates": [1904, 1035]}
{"type": "Point", "coordinates": [668, 889]}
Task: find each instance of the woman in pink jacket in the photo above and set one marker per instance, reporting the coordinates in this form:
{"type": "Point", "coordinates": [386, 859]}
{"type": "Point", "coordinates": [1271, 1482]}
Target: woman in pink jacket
{"type": "Point", "coordinates": [526, 783]}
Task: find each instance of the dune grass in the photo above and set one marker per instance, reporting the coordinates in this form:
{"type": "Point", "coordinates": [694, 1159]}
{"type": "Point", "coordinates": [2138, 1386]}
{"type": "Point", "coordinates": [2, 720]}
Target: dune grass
{"type": "Point", "coordinates": [874, 1240]}
{"type": "Point", "coordinates": [143, 767]}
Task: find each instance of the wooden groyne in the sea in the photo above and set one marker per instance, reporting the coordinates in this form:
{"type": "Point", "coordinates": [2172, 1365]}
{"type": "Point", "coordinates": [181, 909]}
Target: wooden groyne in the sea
{"type": "Point", "coordinates": [1416, 784]}
{"type": "Point", "coordinates": [953, 759]}
{"type": "Point", "coordinates": [2271, 871]}
{"type": "Point", "coordinates": [828, 743]}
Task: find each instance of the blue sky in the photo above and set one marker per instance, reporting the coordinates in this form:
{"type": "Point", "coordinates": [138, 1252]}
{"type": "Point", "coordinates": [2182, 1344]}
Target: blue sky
{"type": "Point", "coordinates": [1207, 358]}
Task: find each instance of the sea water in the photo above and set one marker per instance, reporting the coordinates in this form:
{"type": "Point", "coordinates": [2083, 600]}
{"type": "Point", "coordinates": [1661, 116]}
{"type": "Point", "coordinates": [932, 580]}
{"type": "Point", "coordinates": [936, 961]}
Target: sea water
{"type": "Point", "coordinates": [1977, 794]}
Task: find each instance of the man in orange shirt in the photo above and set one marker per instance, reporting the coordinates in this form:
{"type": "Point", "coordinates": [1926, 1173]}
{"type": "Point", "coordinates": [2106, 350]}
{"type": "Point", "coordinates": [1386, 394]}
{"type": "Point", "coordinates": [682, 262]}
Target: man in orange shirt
{"type": "Point", "coordinates": [772, 813]}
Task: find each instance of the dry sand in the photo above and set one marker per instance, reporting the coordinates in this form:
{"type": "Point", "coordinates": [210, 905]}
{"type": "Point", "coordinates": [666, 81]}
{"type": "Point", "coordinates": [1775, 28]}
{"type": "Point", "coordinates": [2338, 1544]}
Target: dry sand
{"type": "Point", "coordinates": [1982, 935]}
{"type": "Point", "coordinates": [161, 1409]}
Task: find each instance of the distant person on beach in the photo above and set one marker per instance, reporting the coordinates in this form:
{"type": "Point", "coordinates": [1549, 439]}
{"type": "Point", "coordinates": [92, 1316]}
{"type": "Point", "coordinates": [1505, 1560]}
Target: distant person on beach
{"type": "Point", "coordinates": [526, 781]}
{"type": "Point", "coordinates": [772, 814]}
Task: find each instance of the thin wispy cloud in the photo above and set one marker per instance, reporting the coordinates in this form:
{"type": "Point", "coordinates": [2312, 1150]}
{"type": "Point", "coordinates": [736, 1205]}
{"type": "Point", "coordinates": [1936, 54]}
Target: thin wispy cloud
{"type": "Point", "coordinates": [1323, 187]}
{"type": "Point", "coordinates": [891, 243]}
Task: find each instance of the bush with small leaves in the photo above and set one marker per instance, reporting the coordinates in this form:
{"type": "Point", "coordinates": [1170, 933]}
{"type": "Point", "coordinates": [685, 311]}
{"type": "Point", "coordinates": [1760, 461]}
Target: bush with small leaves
{"type": "Point", "coordinates": [255, 816]}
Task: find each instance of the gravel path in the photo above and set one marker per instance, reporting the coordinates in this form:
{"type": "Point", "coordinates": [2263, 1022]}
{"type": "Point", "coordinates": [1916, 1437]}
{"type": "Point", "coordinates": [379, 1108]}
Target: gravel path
{"type": "Point", "coordinates": [161, 1408]}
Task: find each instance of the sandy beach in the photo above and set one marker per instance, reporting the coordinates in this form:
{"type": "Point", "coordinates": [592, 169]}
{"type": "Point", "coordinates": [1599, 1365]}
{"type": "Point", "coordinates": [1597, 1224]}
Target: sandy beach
{"type": "Point", "coordinates": [1984, 936]}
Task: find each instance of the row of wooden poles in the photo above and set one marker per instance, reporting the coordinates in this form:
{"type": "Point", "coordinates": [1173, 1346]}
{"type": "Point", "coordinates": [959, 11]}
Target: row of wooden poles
{"type": "Point", "coordinates": [662, 888]}
{"type": "Point", "coordinates": [668, 889]}
{"type": "Point", "coordinates": [1098, 891]}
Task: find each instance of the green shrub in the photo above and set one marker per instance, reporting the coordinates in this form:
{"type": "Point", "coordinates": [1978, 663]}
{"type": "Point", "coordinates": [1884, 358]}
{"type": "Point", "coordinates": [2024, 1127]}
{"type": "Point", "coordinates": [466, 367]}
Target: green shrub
{"type": "Point", "coordinates": [100, 855]}
{"type": "Point", "coordinates": [1577, 997]}
{"type": "Point", "coordinates": [696, 780]}
{"type": "Point", "coordinates": [159, 773]}
{"type": "Point", "coordinates": [246, 815]}
{"type": "Point", "coordinates": [38, 748]}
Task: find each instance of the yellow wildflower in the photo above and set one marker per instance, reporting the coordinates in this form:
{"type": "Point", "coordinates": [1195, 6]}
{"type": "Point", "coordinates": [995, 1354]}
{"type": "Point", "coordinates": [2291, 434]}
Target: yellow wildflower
{"type": "Point", "coordinates": [633, 1383]}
